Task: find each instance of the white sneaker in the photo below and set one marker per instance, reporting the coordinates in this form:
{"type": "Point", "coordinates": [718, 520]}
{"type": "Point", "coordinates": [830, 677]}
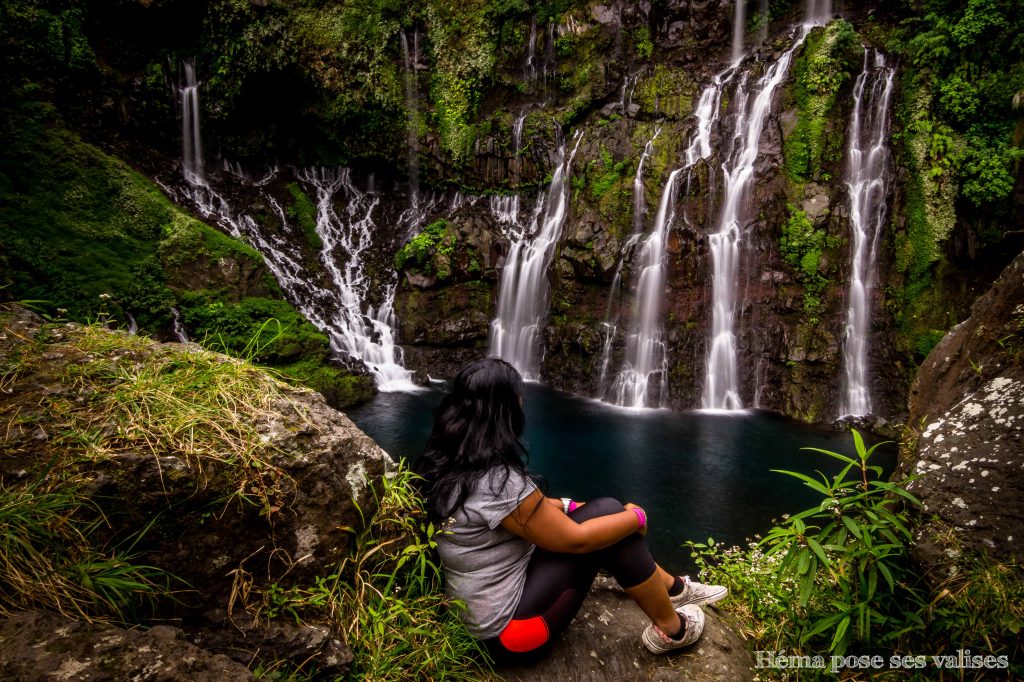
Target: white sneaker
{"type": "Point", "coordinates": [699, 593]}
{"type": "Point", "coordinates": [657, 642]}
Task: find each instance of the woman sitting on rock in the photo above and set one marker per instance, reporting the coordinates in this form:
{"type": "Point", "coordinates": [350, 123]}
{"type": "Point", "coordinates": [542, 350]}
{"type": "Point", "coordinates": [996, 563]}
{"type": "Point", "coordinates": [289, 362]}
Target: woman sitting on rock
{"type": "Point", "coordinates": [523, 563]}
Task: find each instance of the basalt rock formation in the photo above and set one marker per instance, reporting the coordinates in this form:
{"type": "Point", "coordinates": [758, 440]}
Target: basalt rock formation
{"type": "Point", "coordinates": [967, 405]}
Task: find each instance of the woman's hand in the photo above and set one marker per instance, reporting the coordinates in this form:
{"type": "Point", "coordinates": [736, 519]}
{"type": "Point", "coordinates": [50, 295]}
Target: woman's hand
{"type": "Point", "coordinates": [547, 527]}
{"type": "Point", "coordinates": [629, 507]}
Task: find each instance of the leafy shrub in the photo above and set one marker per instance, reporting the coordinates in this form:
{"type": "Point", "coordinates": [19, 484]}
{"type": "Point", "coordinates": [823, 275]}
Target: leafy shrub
{"type": "Point", "coordinates": [435, 240]}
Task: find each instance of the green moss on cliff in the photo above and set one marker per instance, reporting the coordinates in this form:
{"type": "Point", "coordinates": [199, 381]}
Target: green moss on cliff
{"type": "Point", "coordinates": [824, 65]}
{"type": "Point", "coordinates": [922, 312]}
{"type": "Point", "coordinates": [93, 239]}
{"type": "Point", "coordinates": [802, 246]}
{"type": "Point", "coordinates": [431, 250]}
{"type": "Point", "coordinates": [665, 91]}
{"type": "Point", "coordinates": [303, 211]}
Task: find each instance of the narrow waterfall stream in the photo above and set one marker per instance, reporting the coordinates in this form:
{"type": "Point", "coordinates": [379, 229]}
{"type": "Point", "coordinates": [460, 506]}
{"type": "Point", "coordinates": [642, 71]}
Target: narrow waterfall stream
{"type": "Point", "coordinates": [409, 59]}
{"type": "Point", "coordinates": [611, 318]}
{"type": "Point", "coordinates": [356, 328]}
{"type": "Point", "coordinates": [753, 103]}
{"type": "Point", "coordinates": [191, 138]}
{"type": "Point", "coordinates": [524, 289]}
{"type": "Point", "coordinates": [364, 332]}
{"type": "Point", "coordinates": [739, 27]}
{"type": "Point", "coordinates": [645, 346]}
{"type": "Point", "coordinates": [868, 175]}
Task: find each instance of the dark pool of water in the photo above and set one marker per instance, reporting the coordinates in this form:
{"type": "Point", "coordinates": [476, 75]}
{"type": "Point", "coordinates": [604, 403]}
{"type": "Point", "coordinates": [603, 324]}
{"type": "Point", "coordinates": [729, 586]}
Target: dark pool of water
{"type": "Point", "coordinates": [698, 475]}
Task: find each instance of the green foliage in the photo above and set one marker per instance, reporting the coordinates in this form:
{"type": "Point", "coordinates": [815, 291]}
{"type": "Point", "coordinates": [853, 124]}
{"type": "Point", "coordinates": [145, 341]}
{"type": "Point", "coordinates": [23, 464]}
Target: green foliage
{"type": "Point", "coordinates": [856, 541]}
{"type": "Point", "coordinates": [838, 578]}
{"type": "Point", "coordinates": [431, 249]}
{"type": "Point", "coordinates": [50, 557]}
{"type": "Point", "coordinates": [642, 42]}
{"type": "Point", "coordinates": [304, 212]}
{"type": "Point", "coordinates": [463, 53]}
{"type": "Point", "coordinates": [958, 99]}
{"type": "Point", "coordinates": [825, 64]}
{"type": "Point", "coordinates": [605, 179]}
{"type": "Point", "coordinates": [926, 341]}
{"type": "Point", "coordinates": [972, 54]}
{"type": "Point", "coordinates": [801, 246]}
{"type": "Point", "coordinates": [88, 235]}
{"type": "Point", "coordinates": [387, 596]}
{"type": "Point", "coordinates": [665, 91]}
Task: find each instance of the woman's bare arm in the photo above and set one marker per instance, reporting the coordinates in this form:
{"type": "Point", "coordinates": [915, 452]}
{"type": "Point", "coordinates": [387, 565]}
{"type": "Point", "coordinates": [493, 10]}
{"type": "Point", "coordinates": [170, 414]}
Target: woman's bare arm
{"type": "Point", "coordinates": [546, 526]}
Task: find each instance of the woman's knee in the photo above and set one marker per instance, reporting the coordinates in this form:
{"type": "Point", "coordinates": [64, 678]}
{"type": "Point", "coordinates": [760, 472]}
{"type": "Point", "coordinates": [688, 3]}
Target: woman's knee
{"type": "Point", "coordinates": [602, 506]}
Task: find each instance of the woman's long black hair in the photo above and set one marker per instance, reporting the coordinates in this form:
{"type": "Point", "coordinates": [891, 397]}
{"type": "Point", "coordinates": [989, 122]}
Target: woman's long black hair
{"type": "Point", "coordinates": [477, 427]}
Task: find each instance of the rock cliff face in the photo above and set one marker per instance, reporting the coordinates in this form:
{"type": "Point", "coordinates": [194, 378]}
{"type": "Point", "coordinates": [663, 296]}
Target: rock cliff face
{"type": "Point", "coordinates": [967, 405]}
{"type": "Point", "coordinates": [790, 352]}
{"type": "Point", "coordinates": [623, 74]}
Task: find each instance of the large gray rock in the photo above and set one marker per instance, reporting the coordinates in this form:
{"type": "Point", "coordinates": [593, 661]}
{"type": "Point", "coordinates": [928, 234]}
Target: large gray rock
{"type": "Point", "coordinates": [213, 522]}
{"type": "Point", "coordinates": [603, 643]}
{"type": "Point", "coordinates": [968, 402]}
{"type": "Point", "coordinates": [40, 645]}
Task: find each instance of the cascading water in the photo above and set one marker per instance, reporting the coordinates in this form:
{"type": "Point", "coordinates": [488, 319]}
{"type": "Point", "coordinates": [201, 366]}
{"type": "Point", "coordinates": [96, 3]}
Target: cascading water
{"type": "Point", "coordinates": [628, 88]}
{"type": "Point", "coordinates": [191, 140]}
{"type": "Point", "coordinates": [645, 357]}
{"type": "Point", "coordinates": [739, 25]}
{"type": "Point", "coordinates": [505, 208]}
{"type": "Point", "coordinates": [178, 326]}
{"type": "Point", "coordinates": [612, 309]}
{"type": "Point", "coordinates": [817, 11]}
{"type": "Point", "coordinates": [337, 312]}
{"type": "Point", "coordinates": [867, 176]}
{"type": "Point", "coordinates": [524, 289]}
{"type": "Point", "coordinates": [763, 10]}
{"type": "Point", "coordinates": [345, 237]}
{"type": "Point", "coordinates": [516, 165]}
{"type": "Point", "coordinates": [639, 201]}
{"type": "Point", "coordinates": [752, 106]}
{"type": "Point", "coordinates": [411, 106]}
{"type": "Point", "coordinates": [530, 63]}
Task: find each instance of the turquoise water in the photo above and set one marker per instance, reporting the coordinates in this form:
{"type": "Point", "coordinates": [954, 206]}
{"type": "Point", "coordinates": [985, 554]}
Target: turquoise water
{"type": "Point", "coordinates": [698, 475]}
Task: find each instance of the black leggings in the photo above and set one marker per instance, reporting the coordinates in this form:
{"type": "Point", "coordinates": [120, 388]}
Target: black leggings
{"type": "Point", "coordinates": [557, 583]}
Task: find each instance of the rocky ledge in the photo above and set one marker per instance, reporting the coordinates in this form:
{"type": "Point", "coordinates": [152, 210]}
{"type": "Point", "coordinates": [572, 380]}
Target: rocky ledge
{"type": "Point", "coordinates": [968, 402]}
{"type": "Point", "coordinates": [603, 644]}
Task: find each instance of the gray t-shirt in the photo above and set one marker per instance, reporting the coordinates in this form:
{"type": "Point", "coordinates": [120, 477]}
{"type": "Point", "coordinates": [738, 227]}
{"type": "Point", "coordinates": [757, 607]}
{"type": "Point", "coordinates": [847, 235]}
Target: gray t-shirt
{"type": "Point", "coordinates": [485, 565]}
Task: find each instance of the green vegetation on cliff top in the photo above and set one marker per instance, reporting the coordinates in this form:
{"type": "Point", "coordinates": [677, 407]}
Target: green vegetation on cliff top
{"type": "Point", "coordinates": [92, 239]}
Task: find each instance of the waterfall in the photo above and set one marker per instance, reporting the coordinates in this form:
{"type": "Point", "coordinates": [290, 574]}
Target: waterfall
{"type": "Point", "coordinates": [337, 311]}
{"type": "Point", "coordinates": [645, 346]}
{"type": "Point", "coordinates": [524, 289]}
{"type": "Point", "coordinates": [867, 176]}
{"type": "Point", "coordinates": [178, 326]}
{"type": "Point", "coordinates": [628, 88]}
{"type": "Point", "coordinates": [505, 208]}
{"type": "Point", "coordinates": [739, 25]}
{"type": "Point", "coordinates": [763, 35]}
{"type": "Point", "coordinates": [133, 326]}
{"type": "Point", "coordinates": [367, 335]}
{"type": "Point", "coordinates": [530, 64]}
{"type": "Point", "coordinates": [639, 202]}
{"type": "Point", "coordinates": [612, 308]}
{"type": "Point", "coordinates": [550, 64]}
{"type": "Point", "coordinates": [516, 165]}
{"type": "Point", "coordinates": [752, 106]}
{"type": "Point", "coordinates": [411, 106]}
{"type": "Point", "coordinates": [191, 140]}
{"type": "Point", "coordinates": [817, 11]}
